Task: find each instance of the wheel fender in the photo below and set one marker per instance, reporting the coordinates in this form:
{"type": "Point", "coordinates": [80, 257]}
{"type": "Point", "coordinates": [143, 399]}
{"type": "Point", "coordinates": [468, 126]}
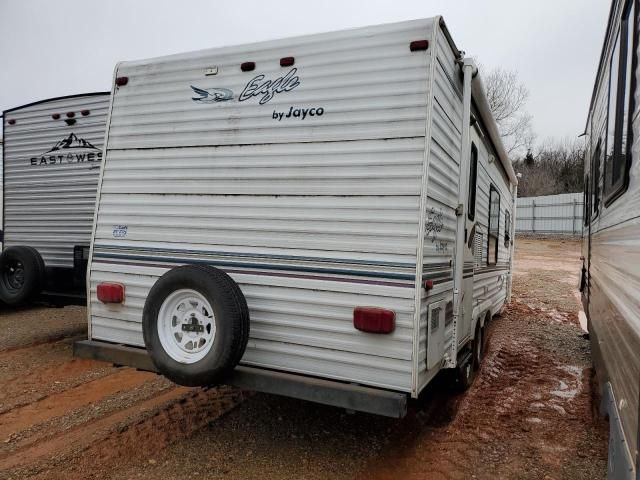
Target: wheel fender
{"type": "Point", "coordinates": [474, 325]}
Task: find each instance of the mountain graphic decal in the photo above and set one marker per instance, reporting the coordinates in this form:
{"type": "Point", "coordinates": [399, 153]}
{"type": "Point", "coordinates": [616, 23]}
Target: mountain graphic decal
{"type": "Point", "coordinates": [72, 142]}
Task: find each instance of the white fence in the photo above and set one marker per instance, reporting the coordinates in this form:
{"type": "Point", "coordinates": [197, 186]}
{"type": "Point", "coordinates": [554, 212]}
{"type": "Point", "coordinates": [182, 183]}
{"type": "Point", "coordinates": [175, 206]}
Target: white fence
{"type": "Point", "coordinates": [550, 214]}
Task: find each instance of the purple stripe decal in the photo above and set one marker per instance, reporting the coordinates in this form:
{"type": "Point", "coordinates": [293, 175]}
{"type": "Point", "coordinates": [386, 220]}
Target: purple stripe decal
{"type": "Point", "coordinates": [270, 274]}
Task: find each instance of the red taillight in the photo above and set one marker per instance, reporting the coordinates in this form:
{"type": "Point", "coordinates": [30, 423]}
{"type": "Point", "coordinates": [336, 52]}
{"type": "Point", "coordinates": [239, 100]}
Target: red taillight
{"type": "Point", "coordinates": [374, 319]}
{"type": "Point", "coordinates": [110, 292]}
{"type": "Point", "coordinates": [428, 284]}
{"type": "Point", "coordinates": [11, 121]}
{"type": "Point", "coordinates": [122, 81]}
{"type": "Point", "coordinates": [247, 66]}
{"type": "Point", "coordinates": [287, 61]}
{"type": "Point", "coordinates": [418, 45]}
{"type": "Point", "coordinates": [55, 116]}
{"type": "Point", "coordinates": [71, 114]}
{"type": "Point", "coordinates": [85, 112]}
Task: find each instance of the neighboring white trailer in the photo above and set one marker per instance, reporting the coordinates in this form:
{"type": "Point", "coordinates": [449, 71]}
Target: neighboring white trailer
{"type": "Point", "coordinates": [51, 163]}
{"type": "Point", "coordinates": [611, 236]}
{"type": "Point", "coordinates": [326, 179]}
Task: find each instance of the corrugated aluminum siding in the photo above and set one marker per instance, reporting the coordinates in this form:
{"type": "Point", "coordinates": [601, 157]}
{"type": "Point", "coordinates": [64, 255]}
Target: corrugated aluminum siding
{"type": "Point", "coordinates": [311, 217]}
{"type": "Point", "coordinates": [614, 272]}
{"type": "Point", "coordinates": [442, 192]}
{"type": "Point", "coordinates": [367, 81]}
{"type": "Point", "coordinates": [490, 281]}
{"type": "Point", "coordinates": [50, 206]}
{"type": "Point", "coordinates": [561, 214]}
{"type": "Point", "coordinates": [1, 185]}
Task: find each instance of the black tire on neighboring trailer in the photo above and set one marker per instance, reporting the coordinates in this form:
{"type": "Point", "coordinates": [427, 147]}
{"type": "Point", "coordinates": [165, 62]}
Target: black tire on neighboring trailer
{"type": "Point", "coordinates": [22, 275]}
{"type": "Point", "coordinates": [195, 325]}
{"type": "Point", "coordinates": [43, 274]}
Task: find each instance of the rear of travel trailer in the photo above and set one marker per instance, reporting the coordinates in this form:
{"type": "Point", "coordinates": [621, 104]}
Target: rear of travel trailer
{"type": "Point", "coordinates": [51, 164]}
{"type": "Point", "coordinates": [328, 217]}
{"type": "Point", "coordinates": [610, 281]}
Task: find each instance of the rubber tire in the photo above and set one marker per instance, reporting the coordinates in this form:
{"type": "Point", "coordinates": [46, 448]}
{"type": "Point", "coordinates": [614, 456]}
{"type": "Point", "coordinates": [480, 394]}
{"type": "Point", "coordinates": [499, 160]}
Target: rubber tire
{"type": "Point", "coordinates": [34, 275]}
{"type": "Point", "coordinates": [41, 267]}
{"type": "Point", "coordinates": [232, 325]}
{"type": "Point", "coordinates": [464, 377]}
{"type": "Point", "coordinates": [478, 347]}
{"type": "Point", "coordinates": [244, 309]}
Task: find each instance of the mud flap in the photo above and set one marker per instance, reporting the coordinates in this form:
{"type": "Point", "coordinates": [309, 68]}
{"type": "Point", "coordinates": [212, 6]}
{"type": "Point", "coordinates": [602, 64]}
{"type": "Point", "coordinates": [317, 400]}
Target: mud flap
{"type": "Point", "coordinates": [80, 261]}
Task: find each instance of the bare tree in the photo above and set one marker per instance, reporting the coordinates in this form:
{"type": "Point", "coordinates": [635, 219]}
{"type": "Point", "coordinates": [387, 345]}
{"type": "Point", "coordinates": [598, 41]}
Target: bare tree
{"type": "Point", "coordinates": [557, 167]}
{"type": "Point", "coordinates": [507, 98]}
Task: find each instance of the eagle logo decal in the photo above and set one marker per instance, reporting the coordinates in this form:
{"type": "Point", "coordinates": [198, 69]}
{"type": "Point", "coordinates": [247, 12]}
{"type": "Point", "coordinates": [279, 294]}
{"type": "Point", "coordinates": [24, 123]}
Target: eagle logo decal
{"type": "Point", "coordinates": [211, 95]}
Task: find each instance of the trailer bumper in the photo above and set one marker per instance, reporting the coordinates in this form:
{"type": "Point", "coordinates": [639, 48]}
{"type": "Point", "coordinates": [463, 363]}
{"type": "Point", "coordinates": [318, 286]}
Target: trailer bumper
{"type": "Point", "coordinates": [344, 395]}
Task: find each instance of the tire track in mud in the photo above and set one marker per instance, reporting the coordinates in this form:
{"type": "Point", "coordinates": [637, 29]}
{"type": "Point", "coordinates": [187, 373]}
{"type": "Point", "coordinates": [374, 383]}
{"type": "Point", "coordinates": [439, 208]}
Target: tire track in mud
{"type": "Point", "coordinates": [48, 340]}
{"type": "Point", "coordinates": [36, 325]}
{"type": "Point", "coordinates": [62, 442]}
{"type": "Point", "coordinates": [38, 383]}
{"type": "Point", "coordinates": [61, 411]}
{"type": "Point", "coordinates": [528, 415]}
{"type": "Point", "coordinates": [22, 418]}
{"type": "Point", "coordinates": [132, 433]}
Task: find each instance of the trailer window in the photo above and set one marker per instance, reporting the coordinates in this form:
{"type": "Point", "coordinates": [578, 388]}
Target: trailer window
{"type": "Point", "coordinates": [473, 181]}
{"type": "Point", "coordinates": [595, 178]}
{"type": "Point", "coordinates": [507, 228]}
{"type": "Point", "coordinates": [494, 226]}
{"type": "Point", "coordinates": [621, 92]}
{"type": "Point", "coordinates": [585, 201]}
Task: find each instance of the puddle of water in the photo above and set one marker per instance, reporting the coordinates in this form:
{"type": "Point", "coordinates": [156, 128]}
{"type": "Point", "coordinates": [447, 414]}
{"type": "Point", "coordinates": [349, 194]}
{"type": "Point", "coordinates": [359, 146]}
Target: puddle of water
{"type": "Point", "coordinates": [565, 390]}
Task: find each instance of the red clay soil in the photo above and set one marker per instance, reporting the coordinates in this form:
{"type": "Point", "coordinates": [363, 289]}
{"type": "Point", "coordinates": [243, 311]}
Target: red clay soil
{"type": "Point", "coordinates": [65, 418]}
{"type": "Point", "coordinates": [532, 412]}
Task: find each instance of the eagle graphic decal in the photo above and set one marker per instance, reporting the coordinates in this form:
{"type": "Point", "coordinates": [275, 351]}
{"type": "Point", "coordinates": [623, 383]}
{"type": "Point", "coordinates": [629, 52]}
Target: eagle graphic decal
{"type": "Point", "coordinates": [212, 95]}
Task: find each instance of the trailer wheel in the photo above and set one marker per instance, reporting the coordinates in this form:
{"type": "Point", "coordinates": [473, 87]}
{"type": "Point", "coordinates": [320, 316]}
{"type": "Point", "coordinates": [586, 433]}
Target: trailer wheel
{"type": "Point", "coordinates": [478, 346]}
{"type": "Point", "coordinates": [469, 362]}
{"type": "Point", "coordinates": [22, 275]}
{"type": "Point", "coordinates": [195, 325]}
{"type": "Point", "coordinates": [41, 266]}
{"type": "Point", "coordinates": [465, 373]}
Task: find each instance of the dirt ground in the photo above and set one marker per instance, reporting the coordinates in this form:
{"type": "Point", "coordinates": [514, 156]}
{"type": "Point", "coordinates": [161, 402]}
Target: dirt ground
{"type": "Point", "coordinates": [529, 415]}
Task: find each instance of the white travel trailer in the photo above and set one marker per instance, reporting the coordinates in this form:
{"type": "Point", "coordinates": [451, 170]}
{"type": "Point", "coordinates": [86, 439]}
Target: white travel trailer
{"type": "Point", "coordinates": [611, 241]}
{"type": "Point", "coordinates": [51, 163]}
{"type": "Point", "coordinates": [331, 212]}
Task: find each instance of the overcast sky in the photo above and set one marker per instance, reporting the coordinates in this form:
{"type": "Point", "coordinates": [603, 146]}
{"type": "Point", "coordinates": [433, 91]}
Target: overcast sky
{"type": "Point", "coordinates": [63, 47]}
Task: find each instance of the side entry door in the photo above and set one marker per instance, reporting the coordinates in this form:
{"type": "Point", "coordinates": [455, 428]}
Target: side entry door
{"type": "Point", "coordinates": [470, 239]}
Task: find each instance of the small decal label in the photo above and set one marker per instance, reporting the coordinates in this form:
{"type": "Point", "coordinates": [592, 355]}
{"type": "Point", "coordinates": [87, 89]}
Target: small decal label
{"type": "Point", "coordinates": [434, 224]}
{"type": "Point", "coordinates": [297, 113]}
{"type": "Point", "coordinates": [442, 246]}
{"type": "Point", "coordinates": [119, 231]}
